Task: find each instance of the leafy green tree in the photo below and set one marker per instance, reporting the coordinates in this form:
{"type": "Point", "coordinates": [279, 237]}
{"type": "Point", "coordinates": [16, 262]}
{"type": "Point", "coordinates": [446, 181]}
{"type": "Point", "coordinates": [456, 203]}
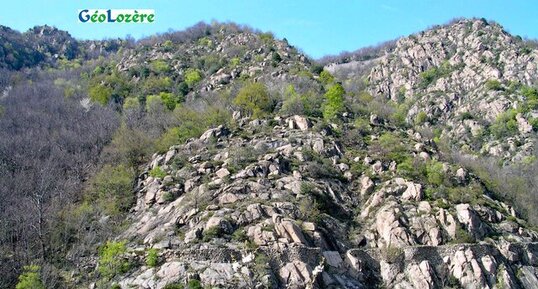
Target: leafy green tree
{"type": "Point", "coordinates": [192, 77]}
{"type": "Point", "coordinates": [253, 98]}
{"type": "Point", "coordinates": [334, 101]}
{"type": "Point", "coordinates": [30, 278]}
{"type": "Point", "coordinates": [110, 261]}
{"type": "Point", "coordinates": [100, 94]}
{"type": "Point", "coordinates": [434, 172]}
{"type": "Point", "coordinates": [152, 258]}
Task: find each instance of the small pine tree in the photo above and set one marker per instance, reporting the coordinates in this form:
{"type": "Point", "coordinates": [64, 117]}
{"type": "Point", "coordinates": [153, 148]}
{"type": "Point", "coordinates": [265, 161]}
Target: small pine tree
{"type": "Point", "coordinates": [334, 101]}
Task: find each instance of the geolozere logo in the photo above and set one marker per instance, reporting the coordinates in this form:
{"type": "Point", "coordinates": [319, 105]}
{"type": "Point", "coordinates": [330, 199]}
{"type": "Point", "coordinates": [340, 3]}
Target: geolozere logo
{"type": "Point", "coordinates": [116, 15]}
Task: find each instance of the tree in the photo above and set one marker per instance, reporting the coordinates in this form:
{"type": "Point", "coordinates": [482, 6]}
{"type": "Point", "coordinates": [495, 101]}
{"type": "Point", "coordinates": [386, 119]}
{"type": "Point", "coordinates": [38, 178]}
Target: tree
{"type": "Point", "coordinates": [100, 93]}
{"type": "Point", "coordinates": [334, 101]}
{"type": "Point", "coordinates": [192, 77]}
{"type": "Point", "coordinates": [253, 98]}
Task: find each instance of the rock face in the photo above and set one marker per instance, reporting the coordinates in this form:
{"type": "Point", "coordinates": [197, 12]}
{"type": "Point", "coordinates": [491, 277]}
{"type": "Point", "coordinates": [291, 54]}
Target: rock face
{"type": "Point", "coordinates": [273, 212]}
{"type": "Point", "coordinates": [463, 76]}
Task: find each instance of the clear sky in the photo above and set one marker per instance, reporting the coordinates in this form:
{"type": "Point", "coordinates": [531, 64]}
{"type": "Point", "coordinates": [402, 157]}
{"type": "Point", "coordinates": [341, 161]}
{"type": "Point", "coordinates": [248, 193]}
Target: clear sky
{"type": "Point", "coordinates": [317, 27]}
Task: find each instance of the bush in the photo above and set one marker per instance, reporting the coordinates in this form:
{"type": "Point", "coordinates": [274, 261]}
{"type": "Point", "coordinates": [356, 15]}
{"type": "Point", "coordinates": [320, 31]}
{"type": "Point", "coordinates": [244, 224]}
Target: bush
{"type": "Point", "coordinates": [114, 185]}
{"type": "Point", "coordinates": [334, 102]}
{"type": "Point", "coordinates": [493, 84]}
{"type": "Point", "coordinates": [434, 172]}
{"type": "Point", "coordinates": [160, 66]}
{"type": "Point", "coordinates": [194, 284]}
{"type": "Point", "coordinates": [152, 258]}
{"type": "Point", "coordinates": [131, 103]}
{"type": "Point", "coordinates": [30, 278]}
{"type": "Point", "coordinates": [253, 98]}
{"type": "Point", "coordinates": [100, 94]}
{"type": "Point", "coordinates": [157, 172]}
{"type": "Point", "coordinates": [110, 259]}
{"type": "Point", "coordinates": [431, 75]}
{"type": "Point", "coordinates": [211, 233]}
{"type": "Point", "coordinates": [192, 77]}
{"type": "Point", "coordinates": [421, 118]}
{"type": "Point", "coordinates": [505, 124]}
{"type": "Point", "coordinates": [326, 77]}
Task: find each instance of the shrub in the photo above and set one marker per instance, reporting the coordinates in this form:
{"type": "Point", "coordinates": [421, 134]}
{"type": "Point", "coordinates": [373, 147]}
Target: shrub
{"type": "Point", "coordinates": [114, 185]}
{"type": "Point", "coordinates": [160, 66]}
{"type": "Point", "coordinates": [192, 77]}
{"type": "Point", "coordinates": [431, 75]}
{"type": "Point", "coordinates": [157, 172]}
{"type": "Point", "coordinates": [152, 259]}
{"type": "Point", "coordinates": [30, 278]}
{"type": "Point", "coordinates": [110, 259]}
{"type": "Point", "coordinates": [240, 235]}
{"type": "Point", "coordinates": [326, 77]}
{"type": "Point", "coordinates": [391, 147]}
{"type": "Point", "coordinates": [434, 172]}
{"type": "Point", "coordinates": [210, 233]}
{"type": "Point", "coordinates": [253, 98]}
{"type": "Point", "coordinates": [421, 118]}
{"type": "Point", "coordinates": [466, 115]}
{"type": "Point", "coordinates": [334, 102]}
{"type": "Point", "coordinates": [505, 124]}
{"type": "Point", "coordinates": [234, 62]}
{"type": "Point", "coordinates": [493, 84]}
{"type": "Point", "coordinates": [131, 103]}
{"type": "Point", "coordinates": [100, 94]}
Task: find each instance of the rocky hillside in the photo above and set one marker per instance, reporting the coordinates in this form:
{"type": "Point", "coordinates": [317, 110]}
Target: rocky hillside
{"type": "Point", "coordinates": [286, 203]}
{"type": "Point", "coordinates": [469, 79]}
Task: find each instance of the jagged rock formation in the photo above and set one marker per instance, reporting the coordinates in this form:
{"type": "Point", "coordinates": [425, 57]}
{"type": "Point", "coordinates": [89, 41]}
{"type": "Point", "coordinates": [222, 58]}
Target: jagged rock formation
{"type": "Point", "coordinates": [463, 76]}
{"type": "Point", "coordinates": [282, 203]}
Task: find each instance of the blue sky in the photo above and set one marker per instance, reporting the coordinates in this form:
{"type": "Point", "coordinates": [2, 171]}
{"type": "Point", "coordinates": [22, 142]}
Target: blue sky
{"type": "Point", "coordinates": [317, 27]}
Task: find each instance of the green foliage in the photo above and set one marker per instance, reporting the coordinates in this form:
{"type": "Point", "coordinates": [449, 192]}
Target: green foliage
{"type": "Point", "coordinates": [114, 185]}
{"type": "Point", "coordinates": [334, 102]}
{"type": "Point", "coordinates": [169, 100]}
{"type": "Point", "coordinates": [131, 103]}
{"type": "Point", "coordinates": [531, 98]}
{"type": "Point", "coordinates": [160, 66]}
{"type": "Point", "coordinates": [493, 84]}
{"type": "Point", "coordinates": [240, 235]}
{"type": "Point", "coordinates": [421, 118]}
{"type": "Point", "coordinates": [153, 103]}
{"type": "Point", "coordinates": [100, 94]}
{"type": "Point", "coordinates": [326, 77]}
{"type": "Point", "coordinates": [157, 172]}
{"type": "Point", "coordinates": [211, 233]}
{"type": "Point", "coordinates": [115, 286]}
{"type": "Point", "coordinates": [192, 77]}
{"type": "Point", "coordinates": [110, 261]}
{"type": "Point", "coordinates": [152, 258]}
{"type": "Point", "coordinates": [532, 121]}
{"type": "Point", "coordinates": [234, 62]}
{"type": "Point", "coordinates": [391, 148]}
{"type": "Point", "coordinates": [154, 85]}
{"type": "Point", "coordinates": [466, 115]}
{"type": "Point", "coordinates": [30, 278]}
{"type": "Point", "coordinates": [431, 75]}
{"type": "Point", "coordinates": [130, 146]}
{"type": "Point", "coordinates": [267, 37]}
{"type": "Point", "coordinates": [192, 124]}
{"type": "Point", "coordinates": [434, 172]}
{"type": "Point", "coordinates": [253, 98]}
{"type": "Point", "coordinates": [168, 45]}
{"type": "Point", "coordinates": [505, 124]}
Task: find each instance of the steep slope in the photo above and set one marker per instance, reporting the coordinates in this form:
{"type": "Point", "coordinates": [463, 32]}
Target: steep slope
{"type": "Point", "coordinates": [470, 77]}
{"type": "Point", "coordinates": [286, 203]}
